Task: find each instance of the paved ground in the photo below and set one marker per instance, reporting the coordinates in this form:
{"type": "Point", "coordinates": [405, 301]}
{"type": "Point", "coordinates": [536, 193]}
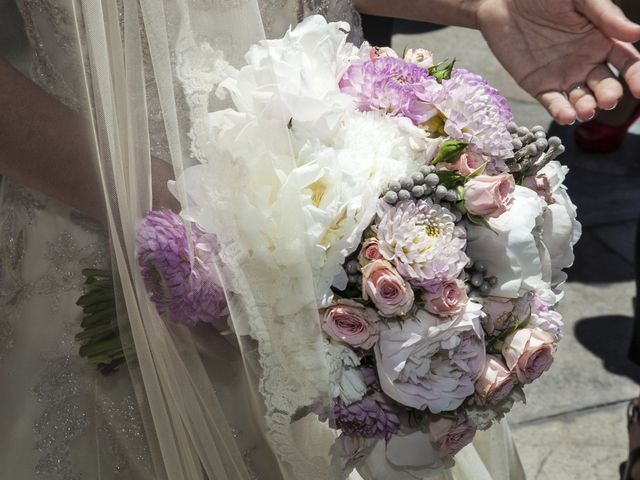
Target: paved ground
{"type": "Point", "coordinates": [574, 424]}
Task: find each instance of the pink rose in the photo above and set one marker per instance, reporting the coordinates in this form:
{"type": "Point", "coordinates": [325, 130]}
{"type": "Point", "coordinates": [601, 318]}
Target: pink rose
{"type": "Point", "coordinates": [390, 293]}
{"type": "Point", "coordinates": [465, 165]}
{"type": "Point", "coordinates": [420, 57]}
{"type": "Point", "coordinates": [540, 184]}
{"type": "Point", "coordinates": [489, 196]}
{"type": "Point", "coordinates": [499, 313]}
{"type": "Point", "coordinates": [369, 251]}
{"type": "Point", "coordinates": [529, 352]}
{"type": "Point", "coordinates": [449, 298]}
{"type": "Point", "coordinates": [495, 382]}
{"type": "Point", "coordinates": [349, 322]}
{"type": "Point", "coordinates": [451, 435]}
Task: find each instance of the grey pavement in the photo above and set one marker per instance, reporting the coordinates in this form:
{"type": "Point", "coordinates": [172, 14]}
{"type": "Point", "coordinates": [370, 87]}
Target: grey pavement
{"type": "Point", "coordinates": [574, 425]}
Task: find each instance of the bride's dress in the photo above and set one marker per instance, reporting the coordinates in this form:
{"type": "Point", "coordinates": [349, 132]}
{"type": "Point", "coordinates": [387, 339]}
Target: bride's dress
{"type": "Point", "coordinates": [61, 419]}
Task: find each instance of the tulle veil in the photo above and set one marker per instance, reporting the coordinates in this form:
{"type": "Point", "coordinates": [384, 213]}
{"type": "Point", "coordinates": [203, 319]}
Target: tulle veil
{"type": "Point", "coordinates": [182, 375]}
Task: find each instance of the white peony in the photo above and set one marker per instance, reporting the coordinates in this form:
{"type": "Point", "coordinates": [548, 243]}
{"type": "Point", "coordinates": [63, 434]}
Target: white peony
{"type": "Point", "coordinates": [296, 77]}
{"type": "Point", "coordinates": [561, 230]}
{"type": "Point", "coordinates": [296, 200]}
{"type": "Point", "coordinates": [339, 184]}
{"type": "Point", "coordinates": [513, 249]}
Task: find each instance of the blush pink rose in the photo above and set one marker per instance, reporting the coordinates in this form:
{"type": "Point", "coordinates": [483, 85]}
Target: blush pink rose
{"type": "Point", "coordinates": [383, 285]}
{"type": "Point", "coordinates": [489, 196]}
{"type": "Point", "coordinates": [465, 165]}
{"type": "Point", "coordinates": [451, 434]}
{"type": "Point", "coordinates": [369, 251]}
{"type": "Point", "coordinates": [349, 322]}
{"type": "Point", "coordinates": [448, 299]}
{"type": "Point", "coordinates": [540, 185]}
{"type": "Point", "coordinates": [496, 381]}
{"type": "Point", "coordinates": [529, 353]}
{"type": "Point", "coordinates": [499, 312]}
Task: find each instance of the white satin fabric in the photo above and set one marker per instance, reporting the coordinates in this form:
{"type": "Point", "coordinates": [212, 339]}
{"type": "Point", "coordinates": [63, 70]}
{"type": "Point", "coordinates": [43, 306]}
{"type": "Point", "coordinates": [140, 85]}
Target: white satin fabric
{"type": "Point", "coordinates": [61, 419]}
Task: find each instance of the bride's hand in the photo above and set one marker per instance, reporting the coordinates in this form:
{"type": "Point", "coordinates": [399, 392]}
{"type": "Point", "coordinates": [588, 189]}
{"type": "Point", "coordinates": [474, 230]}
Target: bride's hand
{"type": "Point", "coordinates": [558, 50]}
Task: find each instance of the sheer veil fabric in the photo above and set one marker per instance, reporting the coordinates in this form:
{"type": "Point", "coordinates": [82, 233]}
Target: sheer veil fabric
{"type": "Point", "coordinates": [191, 46]}
{"type": "Point", "coordinates": [216, 406]}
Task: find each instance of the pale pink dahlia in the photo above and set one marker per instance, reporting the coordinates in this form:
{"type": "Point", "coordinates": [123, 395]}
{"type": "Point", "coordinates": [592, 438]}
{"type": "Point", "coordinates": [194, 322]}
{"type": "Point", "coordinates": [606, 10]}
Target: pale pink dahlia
{"type": "Point", "coordinates": [393, 86]}
{"type": "Point", "coordinates": [422, 241]}
{"type": "Point", "coordinates": [477, 113]}
{"type": "Point", "coordinates": [181, 286]}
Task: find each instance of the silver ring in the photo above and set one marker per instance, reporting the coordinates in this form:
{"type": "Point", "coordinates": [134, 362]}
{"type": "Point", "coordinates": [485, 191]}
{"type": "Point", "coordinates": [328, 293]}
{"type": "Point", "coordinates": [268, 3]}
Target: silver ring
{"type": "Point", "coordinates": [576, 86]}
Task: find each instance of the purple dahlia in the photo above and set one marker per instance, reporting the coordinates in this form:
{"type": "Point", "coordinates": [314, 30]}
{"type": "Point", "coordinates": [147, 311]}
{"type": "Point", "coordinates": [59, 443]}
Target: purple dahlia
{"type": "Point", "coordinates": [477, 113]}
{"type": "Point", "coordinates": [393, 86]}
{"type": "Point", "coordinates": [180, 285]}
{"type": "Point", "coordinates": [375, 416]}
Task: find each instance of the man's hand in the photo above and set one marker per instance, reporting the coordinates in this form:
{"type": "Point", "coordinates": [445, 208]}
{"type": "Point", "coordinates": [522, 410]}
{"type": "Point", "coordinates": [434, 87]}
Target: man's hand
{"type": "Point", "coordinates": [558, 50]}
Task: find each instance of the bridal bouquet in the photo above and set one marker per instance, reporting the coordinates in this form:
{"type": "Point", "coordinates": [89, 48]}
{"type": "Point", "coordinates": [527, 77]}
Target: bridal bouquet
{"type": "Point", "coordinates": [436, 234]}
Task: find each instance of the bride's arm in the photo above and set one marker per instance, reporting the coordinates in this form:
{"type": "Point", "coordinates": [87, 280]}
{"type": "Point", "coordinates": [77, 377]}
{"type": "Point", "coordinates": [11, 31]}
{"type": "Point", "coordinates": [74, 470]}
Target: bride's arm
{"type": "Point", "coordinates": [461, 13]}
{"type": "Point", "coordinates": [548, 46]}
{"type": "Point", "coordinates": [46, 146]}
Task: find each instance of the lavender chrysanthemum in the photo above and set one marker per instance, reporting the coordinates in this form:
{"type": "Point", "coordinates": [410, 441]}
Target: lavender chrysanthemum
{"type": "Point", "coordinates": [375, 416]}
{"type": "Point", "coordinates": [393, 86]}
{"type": "Point", "coordinates": [422, 241]}
{"type": "Point", "coordinates": [477, 113]}
{"type": "Point", "coordinates": [180, 285]}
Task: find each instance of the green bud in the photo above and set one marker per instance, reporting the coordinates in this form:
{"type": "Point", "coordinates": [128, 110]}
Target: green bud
{"type": "Point", "coordinates": [442, 71]}
{"type": "Point", "coordinates": [450, 151]}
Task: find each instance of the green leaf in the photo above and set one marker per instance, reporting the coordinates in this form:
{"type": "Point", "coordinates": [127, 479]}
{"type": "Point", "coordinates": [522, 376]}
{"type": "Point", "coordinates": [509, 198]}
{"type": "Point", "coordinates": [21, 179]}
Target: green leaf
{"type": "Point", "coordinates": [103, 347]}
{"type": "Point", "coordinates": [94, 319]}
{"type": "Point", "coordinates": [450, 179]}
{"type": "Point", "coordinates": [95, 297]}
{"type": "Point", "coordinates": [442, 71]}
{"type": "Point", "coordinates": [478, 171]}
{"type": "Point", "coordinates": [495, 345]}
{"type": "Point", "coordinates": [111, 327]}
{"type": "Point", "coordinates": [99, 307]}
{"type": "Point", "coordinates": [94, 272]}
{"type": "Point", "coordinates": [450, 151]}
